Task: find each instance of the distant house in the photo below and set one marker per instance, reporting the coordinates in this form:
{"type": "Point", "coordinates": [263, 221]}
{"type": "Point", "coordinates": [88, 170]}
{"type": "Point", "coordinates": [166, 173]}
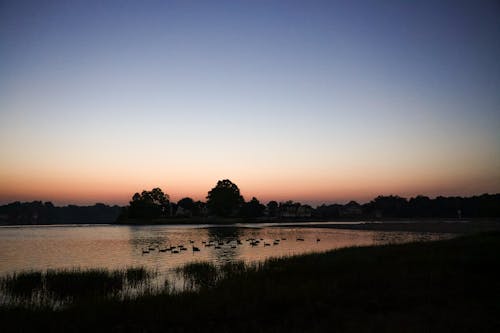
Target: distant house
{"type": "Point", "coordinates": [294, 209]}
{"type": "Point", "coordinates": [351, 209]}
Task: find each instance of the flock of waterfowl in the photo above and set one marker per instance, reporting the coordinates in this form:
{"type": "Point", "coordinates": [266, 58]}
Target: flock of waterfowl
{"type": "Point", "coordinates": [219, 244]}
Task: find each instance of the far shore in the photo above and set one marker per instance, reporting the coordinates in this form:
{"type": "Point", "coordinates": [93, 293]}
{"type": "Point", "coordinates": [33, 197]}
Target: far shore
{"type": "Point", "coordinates": [437, 225]}
{"type": "Point", "coordinates": [444, 225]}
{"type": "Point", "coordinates": [417, 225]}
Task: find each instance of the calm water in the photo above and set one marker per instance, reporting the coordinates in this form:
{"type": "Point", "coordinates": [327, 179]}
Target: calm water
{"type": "Point", "coordinates": [54, 247]}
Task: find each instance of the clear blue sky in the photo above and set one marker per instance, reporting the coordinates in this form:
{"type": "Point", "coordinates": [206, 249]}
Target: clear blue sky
{"type": "Point", "coordinates": [318, 101]}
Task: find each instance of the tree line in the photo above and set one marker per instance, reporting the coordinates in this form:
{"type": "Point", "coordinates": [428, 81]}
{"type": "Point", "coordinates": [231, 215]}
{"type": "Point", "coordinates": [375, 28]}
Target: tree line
{"type": "Point", "coordinates": [393, 206]}
{"type": "Point", "coordinates": [38, 212]}
{"type": "Point", "coordinates": [225, 200]}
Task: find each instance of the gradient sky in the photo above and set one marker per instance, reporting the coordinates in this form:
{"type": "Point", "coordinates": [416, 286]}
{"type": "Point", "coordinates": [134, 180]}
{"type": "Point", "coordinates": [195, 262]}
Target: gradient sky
{"type": "Point", "coordinates": [314, 101]}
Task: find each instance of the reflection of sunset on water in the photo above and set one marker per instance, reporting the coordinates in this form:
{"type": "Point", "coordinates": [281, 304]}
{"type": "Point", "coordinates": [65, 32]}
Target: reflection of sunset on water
{"type": "Point", "coordinates": [40, 248]}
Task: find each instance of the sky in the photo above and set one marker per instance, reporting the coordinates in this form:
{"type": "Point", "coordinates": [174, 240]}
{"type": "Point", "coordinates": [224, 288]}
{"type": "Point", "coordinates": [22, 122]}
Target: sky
{"type": "Point", "coordinates": [312, 101]}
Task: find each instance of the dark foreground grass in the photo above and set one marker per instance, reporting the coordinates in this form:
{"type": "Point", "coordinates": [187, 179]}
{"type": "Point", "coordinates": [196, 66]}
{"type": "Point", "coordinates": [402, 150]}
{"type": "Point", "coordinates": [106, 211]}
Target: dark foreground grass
{"type": "Point", "coordinates": [78, 283]}
{"type": "Point", "coordinates": [22, 284]}
{"type": "Point", "coordinates": [442, 286]}
{"type": "Point", "coordinates": [72, 285]}
{"type": "Point", "coordinates": [203, 275]}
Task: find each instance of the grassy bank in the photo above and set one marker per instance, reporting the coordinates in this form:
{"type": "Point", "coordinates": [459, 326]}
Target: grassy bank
{"type": "Point", "coordinates": [447, 286]}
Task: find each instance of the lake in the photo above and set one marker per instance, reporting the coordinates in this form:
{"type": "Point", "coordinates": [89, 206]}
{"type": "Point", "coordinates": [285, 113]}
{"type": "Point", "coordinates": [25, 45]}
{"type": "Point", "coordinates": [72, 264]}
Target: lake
{"type": "Point", "coordinates": [113, 247]}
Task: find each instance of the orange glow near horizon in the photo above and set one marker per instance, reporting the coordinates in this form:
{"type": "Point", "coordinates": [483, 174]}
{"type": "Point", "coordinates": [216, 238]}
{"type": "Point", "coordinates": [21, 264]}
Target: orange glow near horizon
{"type": "Point", "coordinates": [117, 188]}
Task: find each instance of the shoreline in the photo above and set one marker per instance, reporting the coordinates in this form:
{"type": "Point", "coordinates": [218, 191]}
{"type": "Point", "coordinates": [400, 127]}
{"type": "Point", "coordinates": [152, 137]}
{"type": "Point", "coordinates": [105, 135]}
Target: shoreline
{"type": "Point", "coordinates": [453, 225]}
{"type": "Point", "coordinates": [457, 226]}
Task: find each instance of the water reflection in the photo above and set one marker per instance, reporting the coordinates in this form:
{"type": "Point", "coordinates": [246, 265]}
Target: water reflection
{"type": "Point", "coordinates": [159, 247]}
{"type": "Point", "coordinates": [228, 240]}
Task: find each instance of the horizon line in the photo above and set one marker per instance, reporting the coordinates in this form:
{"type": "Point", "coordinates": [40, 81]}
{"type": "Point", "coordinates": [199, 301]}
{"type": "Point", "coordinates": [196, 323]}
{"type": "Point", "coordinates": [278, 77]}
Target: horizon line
{"type": "Point", "coordinates": [89, 204]}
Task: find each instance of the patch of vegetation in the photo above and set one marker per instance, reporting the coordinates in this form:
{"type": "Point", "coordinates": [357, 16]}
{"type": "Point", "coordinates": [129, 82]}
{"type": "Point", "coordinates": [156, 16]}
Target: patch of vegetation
{"type": "Point", "coordinates": [137, 275]}
{"type": "Point", "coordinates": [74, 284]}
{"type": "Point", "coordinates": [22, 284]}
{"type": "Point", "coordinates": [204, 274]}
{"type": "Point", "coordinates": [199, 274]}
{"type": "Point", "coordinates": [84, 283]}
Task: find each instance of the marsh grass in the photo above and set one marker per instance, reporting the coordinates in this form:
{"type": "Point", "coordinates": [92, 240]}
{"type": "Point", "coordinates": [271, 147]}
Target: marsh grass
{"type": "Point", "coordinates": [237, 268]}
{"type": "Point", "coordinates": [78, 283]}
{"type": "Point", "coordinates": [137, 275]}
{"type": "Point", "coordinates": [202, 274]}
{"type": "Point", "coordinates": [199, 275]}
{"type": "Point", "coordinates": [22, 284]}
{"type": "Point", "coordinates": [54, 288]}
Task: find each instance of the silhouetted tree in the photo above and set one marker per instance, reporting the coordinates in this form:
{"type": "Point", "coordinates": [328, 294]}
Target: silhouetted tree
{"type": "Point", "coordinates": [224, 199]}
{"type": "Point", "coordinates": [37, 212]}
{"type": "Point", "coordinates": [389, 206]}
{"type": "Point", "coordinates": [149, 204]}
{"type": "Point", "coordinates": [420, 206]}
{"type": "Point", "coordinates": [288, 209]}
{"type": "Point", "coordinates": [199, 208]}
{"type": "Point", "coordinates": [253, 208]}
{"type": "Point", "coordinates": [328, 212]}
{"type": "Point", "coordinates": [351, 209]}
{"type": "Point", "coordinates": [272, 208]}
{"type": "Point", "coordinates": [185, 207]}
{"type": "Point", "coordinates": [484, 205]}
{"type": "Point", "coordinates": [186, 203]}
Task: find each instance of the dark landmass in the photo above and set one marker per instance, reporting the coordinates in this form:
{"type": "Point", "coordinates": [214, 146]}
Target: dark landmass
{"type": "Point", "coordinates": [226, 205]}
{"type": "Point", "coordinates": [441, 286]}
{"type": "Point", "coordinates": [39, 213]}
{"type": "Point", "coordinates": [154, 207]}
{"type": "Point", "coordinates": [225, 202]}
